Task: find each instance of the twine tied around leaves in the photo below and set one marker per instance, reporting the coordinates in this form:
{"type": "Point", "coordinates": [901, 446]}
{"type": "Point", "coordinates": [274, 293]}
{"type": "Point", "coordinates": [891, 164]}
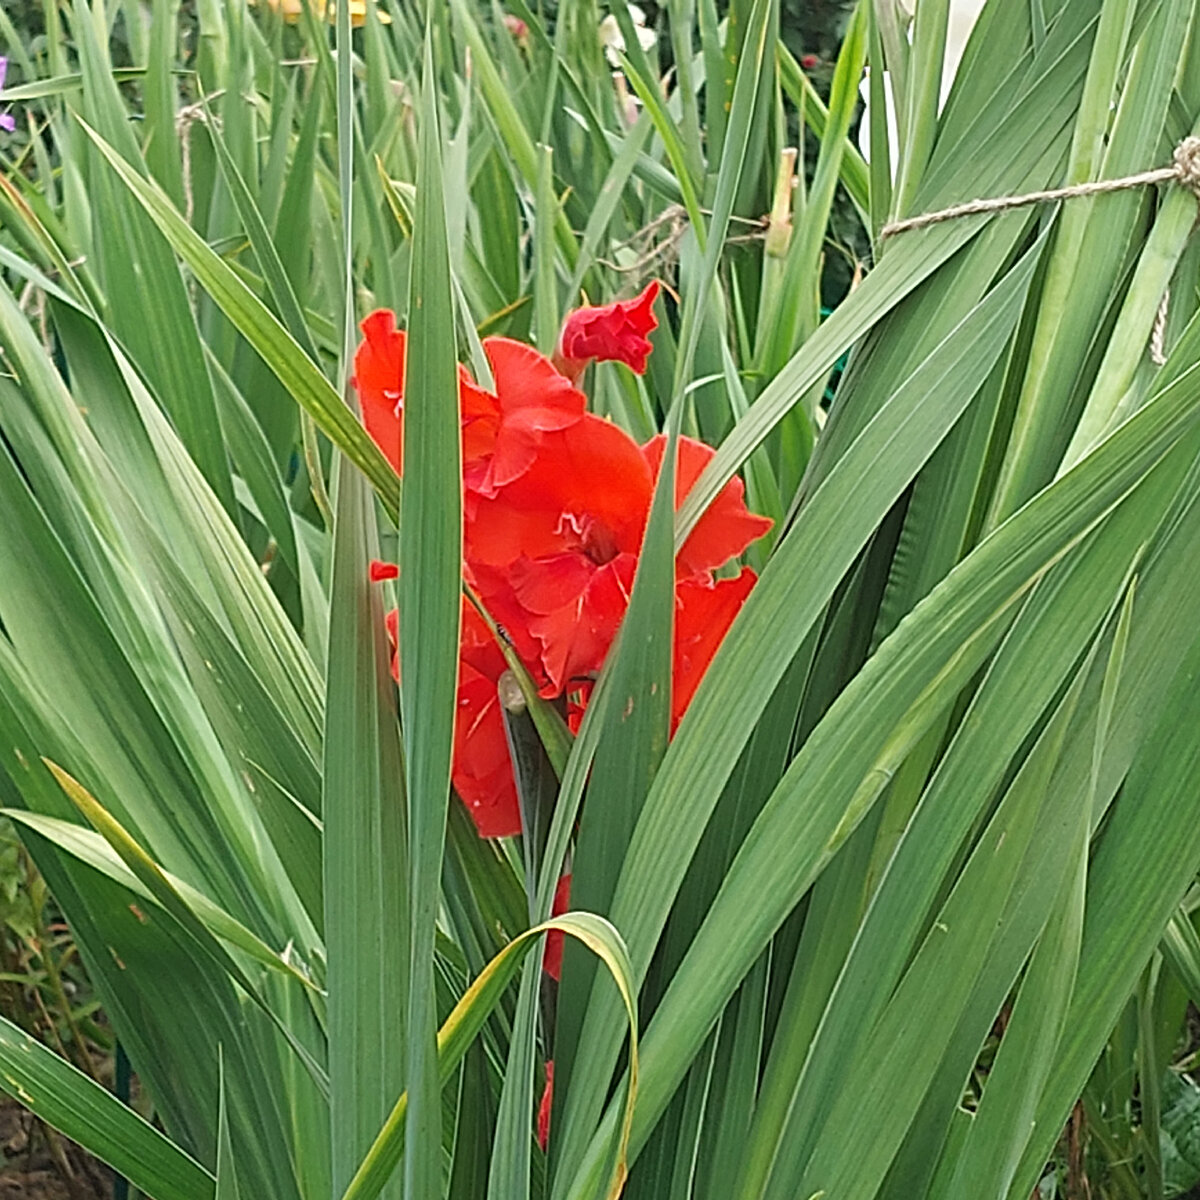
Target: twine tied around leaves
{"type": "Point", "coordinates": [1184, 170]}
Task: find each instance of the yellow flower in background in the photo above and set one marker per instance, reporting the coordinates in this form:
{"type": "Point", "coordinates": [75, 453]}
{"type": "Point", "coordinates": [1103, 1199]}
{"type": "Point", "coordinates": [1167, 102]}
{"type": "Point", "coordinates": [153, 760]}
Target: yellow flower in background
{"type": "Point", "coordinates": [292, 10]}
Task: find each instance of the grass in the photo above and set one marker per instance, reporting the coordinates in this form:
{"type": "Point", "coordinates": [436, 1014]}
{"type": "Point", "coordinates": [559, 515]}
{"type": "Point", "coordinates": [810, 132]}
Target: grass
{"type": "Point", "coordinates": [906, 907]}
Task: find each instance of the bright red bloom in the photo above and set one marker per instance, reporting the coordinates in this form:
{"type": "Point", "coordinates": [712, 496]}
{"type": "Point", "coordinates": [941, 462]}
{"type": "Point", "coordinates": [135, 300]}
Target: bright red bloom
{"type": "Point", "coordinates": [500, 431]}
{"type": "Point", "coordinates": [704, 611]}
{"type": "Point", "coordinates": [608, 332]}
{"type": "Point", "coordinates": [543, 1120]}
{"type": "Point", "coordinates": [481, 769]}
{"type": "Point", "coordinates": [553, 956]}
{"type": "Point", "coordinates": [531, 399]}
{"type": "Point", "coordinates": [553, 554]}
{"type": "Point", "coordinates": [379, 381]}
{"type": "Point", "coordinates": [556, 503]}
{"type": "Point", "coordinates": [727, 526]}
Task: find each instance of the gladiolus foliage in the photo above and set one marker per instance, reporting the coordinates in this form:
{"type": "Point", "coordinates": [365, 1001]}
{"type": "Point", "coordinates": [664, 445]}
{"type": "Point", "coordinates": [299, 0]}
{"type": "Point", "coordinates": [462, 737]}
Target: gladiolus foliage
{"type": "Point", "coordinates": [825, 824]}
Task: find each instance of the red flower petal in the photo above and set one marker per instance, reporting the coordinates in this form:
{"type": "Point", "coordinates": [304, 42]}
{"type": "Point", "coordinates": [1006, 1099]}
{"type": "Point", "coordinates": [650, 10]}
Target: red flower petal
{"type": "Point", "coordinates": [533, 399]}
{"type": "Point", "coordinates": [588, 489]}
{"type": "Point", "coordinates": [727, 526]}
{"type": "Point", "coordinates": [379, 380]}
{"type": "Point", "coordinates": [392, 624]}
{"type": "Point", "coordinates": [552, 959]}
{"type": "Point", "coordinates": [577, 702]}
{"type": "Point", "coordinates": [494, 588]}
{"type": "Point", "coordinates": [379, 571]}
{"type": "Point", "coordinates": [545, 585]}
{"type": "Point", "coordinates": [480, 422]}
{"type": "Point", "coordinates": [704, 611]}
{"type": "Point", "coordinates": [543, 1118]}
{"type": "Point", "coordinates": [477, 646]}
{"type": "Point", "coordinates": [481, 769]}
{"type": "Point", "coordinates": [609, 332]}
{"type": "Point", "coordinates": [576, 634]}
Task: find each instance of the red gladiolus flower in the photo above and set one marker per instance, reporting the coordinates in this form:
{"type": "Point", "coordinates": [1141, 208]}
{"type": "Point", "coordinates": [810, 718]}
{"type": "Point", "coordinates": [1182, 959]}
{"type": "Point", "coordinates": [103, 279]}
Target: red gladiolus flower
{"type": "Point", "coordinates": [608, 332]}
{"type": "Point", "coordinates": [379, 381]}
{"type": "Point", "coordinates": [555, 505]}
{"type": "Point", "coordinates": [543, 1120]}
{"type": "Point", "coordinates": [531, 400]}
{"type": "Point", "coordinates": [553, 554]}
{"type": "Point", "coordinates": [704, 611]}
{"type": "Point", "coordinates": [500, 431]}
{"type": "Point", "coordinates": [727, 526]}
{"type": "Point", "coordinates": [481, 769]}
{"type": "Point", "coordinates": [553, 956]}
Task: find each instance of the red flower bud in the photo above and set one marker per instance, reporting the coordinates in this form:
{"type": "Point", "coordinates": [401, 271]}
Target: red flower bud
{"type": "Point", "coordinates": [610, 332]}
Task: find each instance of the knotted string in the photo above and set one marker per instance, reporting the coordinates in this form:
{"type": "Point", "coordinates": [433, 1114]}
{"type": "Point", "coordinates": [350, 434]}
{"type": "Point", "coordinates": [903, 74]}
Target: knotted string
{"type": "Point", "coordinates": [1184, 170]}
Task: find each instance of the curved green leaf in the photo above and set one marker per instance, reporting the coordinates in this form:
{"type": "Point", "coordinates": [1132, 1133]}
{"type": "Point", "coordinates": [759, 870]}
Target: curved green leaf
{"type": "Point", "coordinates": [258, 325]}
{"type": "Point", "coordinates": [77, 1106]}
{"type": "Point", "coordinates": [468, 1018]}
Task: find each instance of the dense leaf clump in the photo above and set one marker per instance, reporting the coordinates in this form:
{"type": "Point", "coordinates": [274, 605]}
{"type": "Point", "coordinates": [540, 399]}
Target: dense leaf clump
{"type": "Point", "coordinates": [405, 404]}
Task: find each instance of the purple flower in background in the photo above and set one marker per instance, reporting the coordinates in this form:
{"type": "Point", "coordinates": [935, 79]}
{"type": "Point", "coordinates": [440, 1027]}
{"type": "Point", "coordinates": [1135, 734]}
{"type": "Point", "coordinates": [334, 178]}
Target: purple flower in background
{"type": "Point", "coordinates": [7, 121]}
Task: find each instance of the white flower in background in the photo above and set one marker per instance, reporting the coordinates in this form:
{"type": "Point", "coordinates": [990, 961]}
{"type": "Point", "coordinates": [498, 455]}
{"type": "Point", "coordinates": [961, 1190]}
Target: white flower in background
{"type": "Point", "coordinates": [963, 15]}
{"type": "Point", "coordinates": [613, 41]}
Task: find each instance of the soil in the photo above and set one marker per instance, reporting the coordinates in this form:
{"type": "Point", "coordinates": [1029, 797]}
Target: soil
{"type": "Point", "coordinates": [38, 1164]}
